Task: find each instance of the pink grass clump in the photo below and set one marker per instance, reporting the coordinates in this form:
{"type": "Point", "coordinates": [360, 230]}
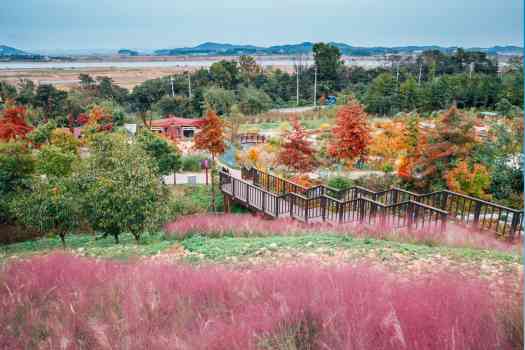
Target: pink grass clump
{"type": "Point", "coordinates": [217, 225]}
{"type": "Point", "coordinates": [65, 302]}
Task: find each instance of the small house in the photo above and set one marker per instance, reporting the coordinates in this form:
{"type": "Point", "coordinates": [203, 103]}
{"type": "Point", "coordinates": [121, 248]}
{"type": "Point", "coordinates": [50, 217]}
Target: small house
{"type": "Point", "coordinates": [177, 128]}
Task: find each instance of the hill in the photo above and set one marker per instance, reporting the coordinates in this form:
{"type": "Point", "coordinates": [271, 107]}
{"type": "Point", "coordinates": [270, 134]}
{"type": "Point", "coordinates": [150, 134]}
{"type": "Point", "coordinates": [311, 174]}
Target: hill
{"type": "Point", "coordinates": [211, 48]}
{"type": "Point", "coordinates": [11, 51]}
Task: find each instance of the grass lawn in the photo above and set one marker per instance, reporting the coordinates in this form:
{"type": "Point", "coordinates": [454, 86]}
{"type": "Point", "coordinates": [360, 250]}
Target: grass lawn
{"type": "Point", "coordinates": [201, 249]}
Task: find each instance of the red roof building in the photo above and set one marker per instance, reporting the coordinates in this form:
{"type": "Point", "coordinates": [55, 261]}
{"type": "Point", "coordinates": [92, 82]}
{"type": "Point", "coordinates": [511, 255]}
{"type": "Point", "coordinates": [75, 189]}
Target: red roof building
{"type": "Point", "coordinates": [177, 128]}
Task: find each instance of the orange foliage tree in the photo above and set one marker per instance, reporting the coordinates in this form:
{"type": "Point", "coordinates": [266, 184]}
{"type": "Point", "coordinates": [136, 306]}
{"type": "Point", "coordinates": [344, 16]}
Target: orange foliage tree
{"type": "Point", "coordinates": [473, 181]}
{"type": "Point", "coordinates": [13, 124]}
{"type": "Point", "coordinates": [297, 153]}
{"type": "Point", "coordinates": [446, 145]}
{"type": "Point", "coordinates": [389, 144]}
{"type": "Point", "coordinates": [351, 133]}
{"type": "Point", "coordinates": [211, 139]}
{"type": "Point", "coordinates": [99, 120]}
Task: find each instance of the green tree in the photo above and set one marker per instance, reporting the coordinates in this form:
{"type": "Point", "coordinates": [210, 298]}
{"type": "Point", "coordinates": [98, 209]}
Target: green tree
{"type": "Point", "coordinates": [219, 99]}
{"type": "Point", "coordinates": [17, 166]}
{"type": "Point", "coordinates": [328, 62]}
{"type": "Point", "coordinates": [161, 151]}
{"type": "Point", "coordinates": [49, 207]}
{"type": "Point", "coordinates": [382, 96]}
{"type": "Point", "coordinates": [409, 94]}
{"type": "Point", "coordinates": [121, 189]}
{"type": "Point", "coordinates": [53, 161]}
{"type": "Point", "coordinates": [225, 74]}
{"type": "Point", "coordinates": [52, 102]}
{"type": "Point", "coordinates": [248, 67]}
{"type": "Point", "coordinates": [26, 92]}
{"type": "Point", "coordinates": [180, 106]}
{"type": "Point", "coordinates": [86, 81]}
{"type": "Point", "coordinates": [254, 101]}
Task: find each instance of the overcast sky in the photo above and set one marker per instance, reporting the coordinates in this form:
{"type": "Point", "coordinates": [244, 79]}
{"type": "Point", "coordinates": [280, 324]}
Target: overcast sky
{"type": "Point", "coordinates": [74, 24]}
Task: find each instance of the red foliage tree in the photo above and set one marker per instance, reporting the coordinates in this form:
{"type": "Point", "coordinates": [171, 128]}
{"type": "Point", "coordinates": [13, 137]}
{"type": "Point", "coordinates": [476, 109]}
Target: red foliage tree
{"type": "Point", "coordinates": [351, 133]}
{"type": "Point", "coordinates": [296, 151]}
{"type": "Point", "coordinates": [13, 124]}
{"type": "Point", "coordinates": [211, 139]}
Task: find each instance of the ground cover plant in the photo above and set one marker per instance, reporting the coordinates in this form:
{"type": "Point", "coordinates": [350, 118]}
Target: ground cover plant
{"type": "Point", "coordinates": [62, 301]}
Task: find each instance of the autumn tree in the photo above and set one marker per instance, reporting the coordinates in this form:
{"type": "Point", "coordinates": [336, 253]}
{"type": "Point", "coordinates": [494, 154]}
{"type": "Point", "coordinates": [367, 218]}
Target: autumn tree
{"type": "Point", "coordinates": [389, 144]}
{"type": "Point", "coordinates": [13, 124]}
{"type": "Point", "coordinates": [211, 139]}
{"type": "Point", "coordinates": [447, 144]}
{"type": "Point", "coordinates": [351, 133]}
{"type": "Point", "coordinates": [471, 180]}
{"type": "Point", "coordinates": [233, 123]}
{"type": "Point", "coordinates": [297, 153]}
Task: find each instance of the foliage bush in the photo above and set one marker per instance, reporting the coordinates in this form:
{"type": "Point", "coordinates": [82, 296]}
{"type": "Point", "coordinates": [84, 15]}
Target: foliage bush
{"type": "Point", "coordinates": [84, 303]}
{"type": "Point", "coordinates": [340, 182]}
{"type": "Point", "coordinates": [378, 182]}
{"type": "Point", "coordinates": [192, 163]}
{"type": "Point", "coordinates": [42, 134]}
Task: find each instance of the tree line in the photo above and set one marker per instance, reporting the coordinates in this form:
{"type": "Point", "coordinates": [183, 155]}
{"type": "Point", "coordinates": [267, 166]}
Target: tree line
{"type": "Point", "coordinates": [432, 81]}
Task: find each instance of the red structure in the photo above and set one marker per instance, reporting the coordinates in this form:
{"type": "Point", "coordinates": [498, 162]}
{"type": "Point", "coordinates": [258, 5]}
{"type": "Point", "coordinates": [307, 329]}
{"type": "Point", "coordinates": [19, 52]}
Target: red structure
{"type": "Point", "coordinates": [177, 128]}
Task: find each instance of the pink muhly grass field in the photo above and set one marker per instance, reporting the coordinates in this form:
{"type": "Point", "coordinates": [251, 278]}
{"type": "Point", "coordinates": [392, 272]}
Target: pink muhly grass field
{"type": "Point", "coordinates": [217, 225]}
{"type": "Point", "coordinates": [64, 302]}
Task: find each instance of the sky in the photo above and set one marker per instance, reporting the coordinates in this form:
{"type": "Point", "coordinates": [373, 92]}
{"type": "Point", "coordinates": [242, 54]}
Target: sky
{"type": "Point", "coordinates": [154, 24]}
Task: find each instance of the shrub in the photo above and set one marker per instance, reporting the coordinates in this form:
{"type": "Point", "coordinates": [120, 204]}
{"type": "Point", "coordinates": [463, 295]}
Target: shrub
{"type": "Point", "coordinates": [192, 163]}
{"type": "Point", "coordinates": [378, 182]}
{"type": "Point", "coordinates": [42, 134]}
{"type": "Point", "coordinates": [59, 299]}
{"type": "Point", "coordinates": [340, 182]}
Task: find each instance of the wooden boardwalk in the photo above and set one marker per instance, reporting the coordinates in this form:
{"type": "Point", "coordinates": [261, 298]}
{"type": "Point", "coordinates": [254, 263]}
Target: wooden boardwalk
{"type": "Point", "coordinates": [279, 198]}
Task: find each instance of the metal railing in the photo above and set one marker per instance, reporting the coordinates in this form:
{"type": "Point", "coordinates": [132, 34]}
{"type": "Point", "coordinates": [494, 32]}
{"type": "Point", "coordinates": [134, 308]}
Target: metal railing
{"type": "Point", "coordinates": [251, 138]}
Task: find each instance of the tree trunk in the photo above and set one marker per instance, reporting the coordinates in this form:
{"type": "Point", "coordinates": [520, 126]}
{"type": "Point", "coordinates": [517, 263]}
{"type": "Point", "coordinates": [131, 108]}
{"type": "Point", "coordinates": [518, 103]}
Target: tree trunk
{"type": "Point", "coordinates": [63, 239]}
{"type": "Point", "coordinates": [212, 184]}
{"type": "Point", "coordinates": [116, 238]}
{"type": "Point", "coordinates": [137, 236]}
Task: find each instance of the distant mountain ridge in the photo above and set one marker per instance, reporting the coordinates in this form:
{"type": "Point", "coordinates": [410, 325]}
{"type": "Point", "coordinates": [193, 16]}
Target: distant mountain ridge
{"type": "Point", "coordinates": [11, 51]}
{"type": "Point", "coordinates": [211, 48]}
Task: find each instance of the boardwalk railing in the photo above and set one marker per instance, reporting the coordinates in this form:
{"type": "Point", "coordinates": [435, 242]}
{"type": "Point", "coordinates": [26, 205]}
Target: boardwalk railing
{"type": "Point", "coordinates": [308, 207]}
{"type": "Point", "coordinates": [251, 138]}
{"type": "Point", "coordinates": [465, 210]}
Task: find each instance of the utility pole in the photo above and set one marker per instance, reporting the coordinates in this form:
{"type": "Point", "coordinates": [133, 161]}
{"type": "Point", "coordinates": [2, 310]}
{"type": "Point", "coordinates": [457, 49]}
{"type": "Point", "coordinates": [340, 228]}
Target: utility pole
{"type": "Point", "coordinates": [419, 77]}
{"type": "Point", "coordinates": [189, 85]}
{"type": "Point", "coordinates": [172, 88]}
{"type": "Point", "coordinates": [397, 73]}
{"type": "Point", "coordinates": [315, 87]}
{"type": "Point", "coordinates": [297, 86]}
